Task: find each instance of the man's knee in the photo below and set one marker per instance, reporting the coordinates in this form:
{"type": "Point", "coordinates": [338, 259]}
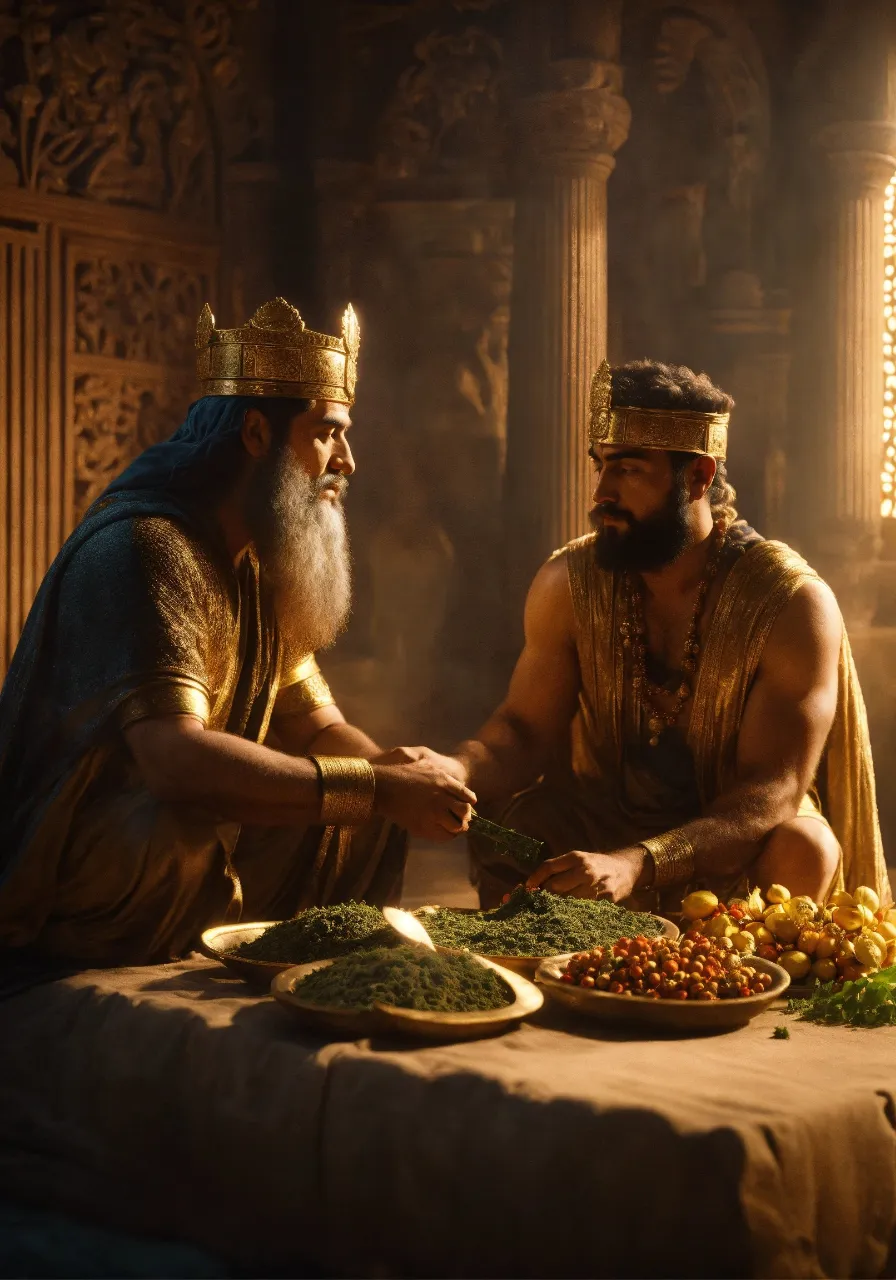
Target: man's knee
{"type": "Point", "coordinates": [802, 854]}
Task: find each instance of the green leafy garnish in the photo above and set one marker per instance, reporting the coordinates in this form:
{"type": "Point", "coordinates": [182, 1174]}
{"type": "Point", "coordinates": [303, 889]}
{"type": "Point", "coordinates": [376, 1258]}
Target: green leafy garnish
{"type": "Point", "coordinates": [869, 1001]}
{"type": "Point", "coordinates": [780, 1033]}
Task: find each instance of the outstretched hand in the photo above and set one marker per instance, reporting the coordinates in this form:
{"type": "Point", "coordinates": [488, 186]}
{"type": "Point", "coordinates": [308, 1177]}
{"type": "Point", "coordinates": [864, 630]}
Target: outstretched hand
{"type": "Point", "coordinates": [591, 875]}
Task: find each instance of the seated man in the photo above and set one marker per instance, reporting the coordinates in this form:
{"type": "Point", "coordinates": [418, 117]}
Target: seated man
{"type": "Point", "coordinates": [685, 710]}
{"type": "Point", "coordinates": [177, 624]}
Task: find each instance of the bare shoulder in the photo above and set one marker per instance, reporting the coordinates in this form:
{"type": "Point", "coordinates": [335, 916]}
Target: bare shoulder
{"type": "Point", "coordinates": [549, 602]}
{"type": "Point", "coordinates": [804, 642]}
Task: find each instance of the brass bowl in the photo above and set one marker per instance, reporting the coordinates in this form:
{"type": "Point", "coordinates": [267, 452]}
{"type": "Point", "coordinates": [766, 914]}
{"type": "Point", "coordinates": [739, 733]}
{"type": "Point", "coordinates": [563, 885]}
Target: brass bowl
{"type": "Point", "coordinates": [527, 965]}
{"type": "Point", "coordinates": [218, 943]}
{"type": "Point", "coordinates": [384, 1018]}
{"type": "Point", "coordinates": [667, 1015]}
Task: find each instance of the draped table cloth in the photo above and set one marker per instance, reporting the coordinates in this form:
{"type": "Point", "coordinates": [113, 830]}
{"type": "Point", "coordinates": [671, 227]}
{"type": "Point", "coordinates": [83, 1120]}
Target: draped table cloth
{"type": "Point", "coordinates": [174, 1101]}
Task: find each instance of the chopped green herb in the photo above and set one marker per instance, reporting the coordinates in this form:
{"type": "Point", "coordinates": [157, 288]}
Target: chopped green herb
{"type": "Point", "coordinates": [409, 978]}
{"type": "Point", "coordinates": [869, 1001]}
{"type": "Point", "coordinates": [319, 934]}
{"type": "Point", "coordinates": [780, 1033]}
{"type": "Point", "coordinates": [534, 922]}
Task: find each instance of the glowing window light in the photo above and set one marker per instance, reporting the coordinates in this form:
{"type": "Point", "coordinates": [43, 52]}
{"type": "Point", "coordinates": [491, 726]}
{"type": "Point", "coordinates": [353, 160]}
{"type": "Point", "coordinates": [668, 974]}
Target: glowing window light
{"type": "Point", "coordinates": [888, 470]}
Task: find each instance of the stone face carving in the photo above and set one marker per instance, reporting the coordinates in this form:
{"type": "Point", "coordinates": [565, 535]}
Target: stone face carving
{"type": "Point", "coordinates": [112, 101]}
{"type": "Point", "coordinates": [737, 96]}
{"type": "Point", "coordinates": [445, 108]}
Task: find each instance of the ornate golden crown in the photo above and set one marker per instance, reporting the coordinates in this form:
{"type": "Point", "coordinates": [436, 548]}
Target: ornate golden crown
{"type": "Point", "coordinates": [653, 428]}
{"type": "Point", "coordinates": [275, 355]}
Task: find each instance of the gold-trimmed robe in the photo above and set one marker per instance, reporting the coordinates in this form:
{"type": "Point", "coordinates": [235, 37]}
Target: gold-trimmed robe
{"type": "Point", "coordinates": [142, 615]}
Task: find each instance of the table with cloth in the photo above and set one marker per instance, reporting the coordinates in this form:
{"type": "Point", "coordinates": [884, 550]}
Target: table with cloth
{"type": "Point", "coordinates": [175, 1102]}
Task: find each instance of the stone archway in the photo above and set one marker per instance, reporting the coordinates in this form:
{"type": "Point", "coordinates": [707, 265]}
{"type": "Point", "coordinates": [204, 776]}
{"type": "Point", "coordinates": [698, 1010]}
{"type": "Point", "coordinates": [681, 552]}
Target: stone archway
{"type": "Point", "coordinates": [115, 139]}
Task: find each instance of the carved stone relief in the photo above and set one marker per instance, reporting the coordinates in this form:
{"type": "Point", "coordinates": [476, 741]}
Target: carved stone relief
{"type": "Point", "coordinates": [136, 310]}
{"type": "Point", "coordinates": [736, 94]}
{"type": "Point", "coordinates": [445, 113]}
{"type": "Point", "coordinates": [112, 100]}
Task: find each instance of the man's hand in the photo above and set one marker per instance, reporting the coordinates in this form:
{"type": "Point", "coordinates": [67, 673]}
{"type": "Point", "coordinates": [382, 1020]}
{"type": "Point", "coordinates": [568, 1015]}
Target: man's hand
{"type": "Point", "coordinates": [591, 875]}
{"type": "Point", "coordinates": [423, 797]}
{"type": "Point", "coordinates": [412, 755]}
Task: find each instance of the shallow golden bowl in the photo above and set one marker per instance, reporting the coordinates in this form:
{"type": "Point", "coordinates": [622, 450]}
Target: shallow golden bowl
{"type": "Point", "coordinates": [666, 1015]}
{"type": "Point", "coordinates": [386, 1018]}
{"type": "Point", "coordinates": [219, 942]}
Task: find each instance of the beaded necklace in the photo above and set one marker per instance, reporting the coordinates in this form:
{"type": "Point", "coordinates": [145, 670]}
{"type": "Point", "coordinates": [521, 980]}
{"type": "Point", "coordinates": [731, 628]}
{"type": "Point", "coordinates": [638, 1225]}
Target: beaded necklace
{"type": "Point", "coordinates": [634, 630]}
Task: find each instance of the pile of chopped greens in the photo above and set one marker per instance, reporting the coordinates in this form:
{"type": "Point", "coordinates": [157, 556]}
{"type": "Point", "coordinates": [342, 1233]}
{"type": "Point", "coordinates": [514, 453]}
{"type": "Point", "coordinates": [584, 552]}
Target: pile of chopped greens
{"type": "Point", "coordinates": [869, 1001]}
{"type": "Point", "coordinates": [319, 934]}
{"type": "Point", "coordinates": [534, 922]}
{"type": "Point", "coordinates": [409, 978]}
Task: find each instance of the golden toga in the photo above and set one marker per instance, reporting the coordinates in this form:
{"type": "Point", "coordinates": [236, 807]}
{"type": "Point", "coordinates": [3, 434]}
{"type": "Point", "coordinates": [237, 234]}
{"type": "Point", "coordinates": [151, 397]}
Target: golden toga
{"type": "Point", "coordinates": [611, 789]}
{"type": "Point", "coordinates": [144, 614]}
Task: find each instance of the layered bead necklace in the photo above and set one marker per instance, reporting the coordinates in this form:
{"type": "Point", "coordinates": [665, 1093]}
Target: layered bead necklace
{"type": "Point", "coordinates": [633, 632]}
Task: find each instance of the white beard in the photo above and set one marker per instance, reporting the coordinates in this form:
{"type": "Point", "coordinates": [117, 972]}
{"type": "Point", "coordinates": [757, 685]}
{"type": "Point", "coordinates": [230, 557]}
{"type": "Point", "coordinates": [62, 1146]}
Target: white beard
{"type": "Point", "coordinates": [302, 545]}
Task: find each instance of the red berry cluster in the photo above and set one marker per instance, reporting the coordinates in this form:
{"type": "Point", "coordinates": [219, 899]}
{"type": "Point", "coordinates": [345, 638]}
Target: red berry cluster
{"type": "Point", "coordinates": [693, 968]}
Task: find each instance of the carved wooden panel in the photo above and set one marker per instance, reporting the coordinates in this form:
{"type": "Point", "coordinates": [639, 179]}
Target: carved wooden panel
{"type": "Point", "coordinates": [96, 363]}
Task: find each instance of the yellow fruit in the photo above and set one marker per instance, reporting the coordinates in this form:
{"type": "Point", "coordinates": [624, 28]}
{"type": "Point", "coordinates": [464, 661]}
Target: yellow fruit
{"type": "Point", "coordinates": [886, 930]}
{"type": "Point", "coordinates": [784, 929]}
{"type": "Point", "coordinates": [698, 905]}
{"type": "Point", "coordinates": [866, 897]}
{"type": "Point", "coordinates": [890, 957]}
{"type": "Point", "coordinates": [824, 970]}
{"type": "Point", "coordinates": [877, 937]}
{"type": "Point", "coordinates": [848, 918]}
{"type": "Point", "coordinates": [890, 917]}
{"type": "Point", "coordinates": [755, 905]}
{"type": "Point", "coordinates": [841, 899]}
{"type": "Point", "coordinates": [744, 942]}
{"type": "Point", "coordinates": [808, 941]}
{"type": "Point", "coordinates": [868, 953]}
{"type": "Point", "coordinates": [718, 927]}
{"type": "Point", "coordinates": [868, 916]}
{"type": "Point", "coordinates": [778, 893]}
{"type": "Point", "coordinates": [760, 933]}
{"type": "Point", "coordinates": [825, 947]}
{"type": "Point", "coordinates": [802, 910]}
{"type": "Point", "coordinates": [770, 912]}
{"type": "Point", "coordinates": [797, 963]}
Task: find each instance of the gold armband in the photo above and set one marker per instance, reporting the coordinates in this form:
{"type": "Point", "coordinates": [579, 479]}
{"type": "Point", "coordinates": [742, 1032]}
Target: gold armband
{"type": "Point", "coordinates": [303, 689]}
{"type": "Point", "coordinates": [166, 696]}
{"type": "Point", "coordinates": [673, 858]}
{"type": "Point", "coordinates": [347, 786]}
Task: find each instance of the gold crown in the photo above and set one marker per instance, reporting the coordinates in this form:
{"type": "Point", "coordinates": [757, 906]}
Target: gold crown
{"type": "Point", "coordinates": [653, 428]}
{"type": "Point", "coordinates": [275, 355]}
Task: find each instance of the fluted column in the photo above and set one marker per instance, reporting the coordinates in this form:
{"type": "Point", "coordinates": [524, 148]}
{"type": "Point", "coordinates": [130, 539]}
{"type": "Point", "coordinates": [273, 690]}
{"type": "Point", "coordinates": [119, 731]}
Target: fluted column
{"type": "Point", "coordinates": [569, 131]}
{"type": "Point", "coordinates": [848, 454]}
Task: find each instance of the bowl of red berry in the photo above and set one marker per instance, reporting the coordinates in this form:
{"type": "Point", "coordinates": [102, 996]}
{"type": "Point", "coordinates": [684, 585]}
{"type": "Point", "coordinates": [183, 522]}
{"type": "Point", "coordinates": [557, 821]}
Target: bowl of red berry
{"type": "Point", "coordinates": [693, 983]}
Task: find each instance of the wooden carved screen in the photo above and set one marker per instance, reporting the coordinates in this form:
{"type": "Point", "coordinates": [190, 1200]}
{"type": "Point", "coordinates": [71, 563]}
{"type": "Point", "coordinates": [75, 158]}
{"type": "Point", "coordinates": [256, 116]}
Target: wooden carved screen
{"type": "Point", "coordinates": [97, 314]}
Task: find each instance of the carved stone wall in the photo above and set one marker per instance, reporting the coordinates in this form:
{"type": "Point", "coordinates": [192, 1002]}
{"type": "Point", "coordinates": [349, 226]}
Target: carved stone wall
{"type": "Point", "coordinates": [122, 125]}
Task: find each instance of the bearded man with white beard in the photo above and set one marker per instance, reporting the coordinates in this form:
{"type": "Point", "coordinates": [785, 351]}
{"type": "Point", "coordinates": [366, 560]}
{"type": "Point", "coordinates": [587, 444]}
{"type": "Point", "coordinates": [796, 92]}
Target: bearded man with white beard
{"type": "Point", "coordinates": [170, 754]}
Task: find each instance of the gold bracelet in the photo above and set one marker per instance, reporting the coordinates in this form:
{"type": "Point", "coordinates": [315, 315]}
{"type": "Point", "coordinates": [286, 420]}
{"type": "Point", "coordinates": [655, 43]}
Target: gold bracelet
{"type": "Point", "coordinates": [347, 785]}
{"type": "Point", "coordinates": [673, 858]}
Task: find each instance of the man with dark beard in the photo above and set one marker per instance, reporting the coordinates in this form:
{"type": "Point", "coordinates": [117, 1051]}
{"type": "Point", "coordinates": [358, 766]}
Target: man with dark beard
{"type": "Point", "coordinates": [169, 751]}
{"type": "Point", "coordinates": [685, 710]}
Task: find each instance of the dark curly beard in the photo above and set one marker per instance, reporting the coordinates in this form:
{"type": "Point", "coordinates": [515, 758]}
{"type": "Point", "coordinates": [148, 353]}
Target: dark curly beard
{"type": "Point", "coordinates": [302, 546]}
{"type": "Point", "coordinates": [645, 545]}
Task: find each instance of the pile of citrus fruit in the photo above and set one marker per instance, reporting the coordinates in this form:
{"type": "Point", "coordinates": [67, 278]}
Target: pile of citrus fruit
{"type": "Point", "coordinates": [845, 938]}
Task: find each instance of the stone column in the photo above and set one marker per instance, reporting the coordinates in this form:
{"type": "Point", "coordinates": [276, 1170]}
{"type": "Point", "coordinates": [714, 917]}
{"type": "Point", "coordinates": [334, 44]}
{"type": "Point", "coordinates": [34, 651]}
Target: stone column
{"type": "Point", "coordinates": [846, 453]}
{"type": "Point", "coordinates": [569, 130]}
{"type": "Point", "coordinates": [250, 193]}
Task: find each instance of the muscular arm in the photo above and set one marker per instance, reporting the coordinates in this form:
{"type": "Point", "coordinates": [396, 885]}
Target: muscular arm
{"type": "Point", "coordinates": [787, 718]}
{"type": "Point", "coordinates": [514, 744]}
